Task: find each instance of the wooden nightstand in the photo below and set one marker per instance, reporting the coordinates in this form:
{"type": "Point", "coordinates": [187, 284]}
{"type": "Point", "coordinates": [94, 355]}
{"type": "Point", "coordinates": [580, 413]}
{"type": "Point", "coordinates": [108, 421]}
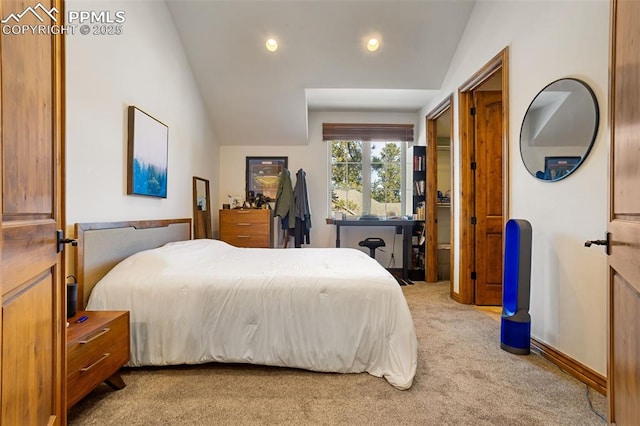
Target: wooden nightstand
{"type": "Point", "coordinates": [96, 349]}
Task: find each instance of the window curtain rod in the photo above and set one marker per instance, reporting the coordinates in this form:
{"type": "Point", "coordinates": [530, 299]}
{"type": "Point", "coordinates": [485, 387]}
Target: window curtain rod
{"type": "Point", "coordinates": [367, 132]}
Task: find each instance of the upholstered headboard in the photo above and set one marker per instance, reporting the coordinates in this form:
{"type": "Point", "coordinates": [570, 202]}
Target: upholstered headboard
{"type": "Point", "coordinates": [101, 246]}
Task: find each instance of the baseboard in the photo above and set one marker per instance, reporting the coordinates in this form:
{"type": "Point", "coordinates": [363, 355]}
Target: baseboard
{"type": "Point", "coordinates": [580, 371]}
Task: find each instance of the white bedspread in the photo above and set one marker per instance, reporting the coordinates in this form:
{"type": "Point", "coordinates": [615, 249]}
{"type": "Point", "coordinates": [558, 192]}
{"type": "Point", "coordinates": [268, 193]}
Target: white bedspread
{"type": "Point", "coordinates": [331, 310]}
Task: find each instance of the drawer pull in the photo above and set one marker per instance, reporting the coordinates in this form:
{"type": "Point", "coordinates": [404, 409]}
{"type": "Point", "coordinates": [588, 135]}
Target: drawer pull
{"type": "Point", "coordinates": [102, 358]}
{"type": "Point", "coordinates": [244, 236]}
{"type": "Point", "coordinates": [243, 224]}
{"type": "Point", "coordinates": [104, 331]}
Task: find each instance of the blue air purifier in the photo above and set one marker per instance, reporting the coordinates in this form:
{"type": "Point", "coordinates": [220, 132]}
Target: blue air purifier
{"type": "Point", "coordinates": [515, 333]}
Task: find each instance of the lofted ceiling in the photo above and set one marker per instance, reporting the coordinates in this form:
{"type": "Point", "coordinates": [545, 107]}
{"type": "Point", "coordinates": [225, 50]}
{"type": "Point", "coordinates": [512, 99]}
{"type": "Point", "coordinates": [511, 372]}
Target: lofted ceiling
{"type": "Point", "coordinates": [255, 97]}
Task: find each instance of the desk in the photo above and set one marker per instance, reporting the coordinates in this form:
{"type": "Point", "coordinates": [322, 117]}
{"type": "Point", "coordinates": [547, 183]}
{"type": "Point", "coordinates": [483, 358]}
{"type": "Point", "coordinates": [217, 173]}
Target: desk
{"type": "Point", "coordinates": [402, 226]}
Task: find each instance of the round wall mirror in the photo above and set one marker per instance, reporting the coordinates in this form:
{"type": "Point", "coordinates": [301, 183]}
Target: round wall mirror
{"type": "Point", "coordinates": [559, 129]}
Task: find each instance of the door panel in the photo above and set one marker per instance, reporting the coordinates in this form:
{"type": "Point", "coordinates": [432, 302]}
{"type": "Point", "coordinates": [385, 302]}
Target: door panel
{"type": "Point", "coordinates": [27, 347]}
{"type": "Point", "coordinates": [623, 384]}
{"type": "Point", "coordinates": [494, 257]}
{"type": "Point", "coordinates": [35, 237]}
{"type": "Point", "coordinates": [626, 342]}
{"type": "Point", "coordinates": [488, 200]}
{"type": "Point", "coordinates": [32, 324]}
{"type": "Point", "coordinates": [27, 97]}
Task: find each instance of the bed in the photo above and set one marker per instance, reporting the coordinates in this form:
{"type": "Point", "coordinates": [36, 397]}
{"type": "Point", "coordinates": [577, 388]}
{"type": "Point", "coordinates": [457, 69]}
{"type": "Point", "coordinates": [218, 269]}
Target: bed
{"type": "Point", "coordinates": [199, 301]}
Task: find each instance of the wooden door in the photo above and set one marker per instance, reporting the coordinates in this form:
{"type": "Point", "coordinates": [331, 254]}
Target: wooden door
{"type": "Point", "coordinates": [32, 326]}
{"type": "Point", "coordinates": [439, 122]}
{"type": "Point", "coordinates": [488, 197]}
{"type": "Point", "coordinates": [493, 76]}
{"type": "Point", "coordinates": [623, 386]}
{"type": "Point", "coordinates": [431, 196]}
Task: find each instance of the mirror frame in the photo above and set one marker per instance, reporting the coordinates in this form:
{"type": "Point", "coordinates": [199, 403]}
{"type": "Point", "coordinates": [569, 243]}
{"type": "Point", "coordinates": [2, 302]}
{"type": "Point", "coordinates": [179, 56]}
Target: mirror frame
{"type": "Point", "coordinates": [591, 142]}
{"type": "Point", "coordinates": [201, 218]}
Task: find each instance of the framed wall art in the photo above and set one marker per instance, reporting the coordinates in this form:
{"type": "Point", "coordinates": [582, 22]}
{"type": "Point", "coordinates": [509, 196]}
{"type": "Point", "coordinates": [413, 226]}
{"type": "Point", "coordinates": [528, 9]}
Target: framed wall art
{"type": "Point", "coordinates": [147, 155]}
{"type": "Point", "coordinates": [263, 174]}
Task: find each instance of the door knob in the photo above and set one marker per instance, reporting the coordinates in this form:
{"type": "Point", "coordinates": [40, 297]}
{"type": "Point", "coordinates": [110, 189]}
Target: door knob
{"type": "Point", "coordinates": [61, 240]}
{"type": "Point", "coordinates": [606, 242]}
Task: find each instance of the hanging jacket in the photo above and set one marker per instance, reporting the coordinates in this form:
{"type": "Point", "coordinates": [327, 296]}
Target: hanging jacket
{"type": "Point", "coordinates": [302, 210]}
{"type": "Point", "coordinates": [285, 201]}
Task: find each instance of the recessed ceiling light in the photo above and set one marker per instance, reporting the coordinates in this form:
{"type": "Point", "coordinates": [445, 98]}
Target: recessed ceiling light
{"type": "Point", "coordinates": [373, 44]}
{"type": "Point", "coordinates": [272, 45]}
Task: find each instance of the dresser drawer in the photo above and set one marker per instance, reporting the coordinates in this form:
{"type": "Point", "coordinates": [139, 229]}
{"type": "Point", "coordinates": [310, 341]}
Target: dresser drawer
{"type": "Point", "coordinates": [249, 241]}
{"type": "Point", "coordinates": [243, 217]}
{"type": "Point", "coordinates": [244, 227]}
{"type": "Point", "coordinates": [96, 350]}
{"type": "Point", "coordinates": [241, 230]}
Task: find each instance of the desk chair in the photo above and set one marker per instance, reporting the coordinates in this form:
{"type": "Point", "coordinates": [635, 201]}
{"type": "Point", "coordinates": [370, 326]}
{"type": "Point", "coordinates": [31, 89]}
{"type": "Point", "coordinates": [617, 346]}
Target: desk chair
{"type": "Point", "coordinates": [372, 243]}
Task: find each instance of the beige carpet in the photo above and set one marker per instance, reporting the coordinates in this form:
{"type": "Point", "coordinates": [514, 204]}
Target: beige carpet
{"type": "Point", "coordinates": [463, 378]}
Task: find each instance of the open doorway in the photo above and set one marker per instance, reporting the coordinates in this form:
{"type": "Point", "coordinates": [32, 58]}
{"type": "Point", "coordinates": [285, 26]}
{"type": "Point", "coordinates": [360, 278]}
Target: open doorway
{"type": "Point", "coordinates": [439, 189]}
{"type": "Point", "coordinates": [484, 134]}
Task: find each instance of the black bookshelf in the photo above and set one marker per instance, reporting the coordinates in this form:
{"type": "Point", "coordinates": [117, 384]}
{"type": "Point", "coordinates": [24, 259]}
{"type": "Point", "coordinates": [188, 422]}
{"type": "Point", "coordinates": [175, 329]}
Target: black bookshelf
{"type": "Point", "coordinates": [419, 183]}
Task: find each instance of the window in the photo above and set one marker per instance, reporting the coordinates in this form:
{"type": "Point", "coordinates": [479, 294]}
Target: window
{"type": "Point", "coordinates": [367, 177]}
{"type": "Point", "coordinates": [367, 167]}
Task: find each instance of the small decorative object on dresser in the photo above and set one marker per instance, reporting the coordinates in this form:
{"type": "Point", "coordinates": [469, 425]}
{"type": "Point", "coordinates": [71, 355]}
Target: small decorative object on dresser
{"type": "Point", "coordinates": [247, 227]}
{"type": "Point", "coordinates": [97, 346]}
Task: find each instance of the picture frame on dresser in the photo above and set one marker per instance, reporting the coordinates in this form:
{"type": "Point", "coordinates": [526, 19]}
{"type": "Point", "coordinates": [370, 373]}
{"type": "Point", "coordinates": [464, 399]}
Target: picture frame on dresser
{"type": "Point", "coordinates": [147, 154]}
{"type": "Point", "coordinates": [263, 174]}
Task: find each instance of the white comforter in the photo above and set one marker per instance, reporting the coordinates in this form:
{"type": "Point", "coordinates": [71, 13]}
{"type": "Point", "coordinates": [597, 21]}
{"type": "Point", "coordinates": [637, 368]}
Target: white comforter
{"type": "Point", "coordinates": [332, 310]}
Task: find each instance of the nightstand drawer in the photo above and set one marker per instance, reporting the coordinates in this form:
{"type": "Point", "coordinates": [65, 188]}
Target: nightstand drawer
{"type": "Point", "coordinates": [109, 337]}
{"type": "Point", "coordinates": [96, 349]}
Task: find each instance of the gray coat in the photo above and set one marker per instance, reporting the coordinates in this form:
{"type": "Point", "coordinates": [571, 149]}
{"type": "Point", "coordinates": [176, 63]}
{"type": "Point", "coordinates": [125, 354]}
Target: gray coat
{"type": "Point", "coordinates": [303, 212]}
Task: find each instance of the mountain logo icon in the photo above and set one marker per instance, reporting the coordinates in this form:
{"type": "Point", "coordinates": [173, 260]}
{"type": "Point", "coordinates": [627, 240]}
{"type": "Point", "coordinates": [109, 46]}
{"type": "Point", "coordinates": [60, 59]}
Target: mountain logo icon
{"type": "Point", "coordinates": [51, 13]}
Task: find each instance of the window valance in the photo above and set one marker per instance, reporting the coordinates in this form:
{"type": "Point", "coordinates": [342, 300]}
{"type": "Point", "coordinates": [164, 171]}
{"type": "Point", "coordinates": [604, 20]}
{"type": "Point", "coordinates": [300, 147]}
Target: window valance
{"type": "Point", "coordinates": [367, 132]}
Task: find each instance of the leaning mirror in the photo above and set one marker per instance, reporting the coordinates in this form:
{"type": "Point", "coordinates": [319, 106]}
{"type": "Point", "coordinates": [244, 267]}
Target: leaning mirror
{"type": "Point", "coordinates": [559, 129]}
{"type": "Point", "coordinates": [201, 209]}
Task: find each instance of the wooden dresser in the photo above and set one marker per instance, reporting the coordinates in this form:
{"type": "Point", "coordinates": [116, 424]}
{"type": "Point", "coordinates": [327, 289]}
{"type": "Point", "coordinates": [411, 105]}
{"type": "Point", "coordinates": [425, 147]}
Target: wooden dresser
{"type": "Point", "coordinates": [247, 227]}
{"type": "Point", "coordinates": [96, 349]}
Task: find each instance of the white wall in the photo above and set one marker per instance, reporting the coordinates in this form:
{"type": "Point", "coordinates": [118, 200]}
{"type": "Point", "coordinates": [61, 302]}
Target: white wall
{"type": "Point", "coordinates": [547, 41]}
{"type": "Point", "coordinates": [146, 67]}
{"type": "Point", "coordinates": [313, 158]}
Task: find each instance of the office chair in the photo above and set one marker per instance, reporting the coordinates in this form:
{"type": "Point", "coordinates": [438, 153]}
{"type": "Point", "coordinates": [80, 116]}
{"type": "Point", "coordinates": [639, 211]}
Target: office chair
{"type": "Point", "coordinates": [372, 243]}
